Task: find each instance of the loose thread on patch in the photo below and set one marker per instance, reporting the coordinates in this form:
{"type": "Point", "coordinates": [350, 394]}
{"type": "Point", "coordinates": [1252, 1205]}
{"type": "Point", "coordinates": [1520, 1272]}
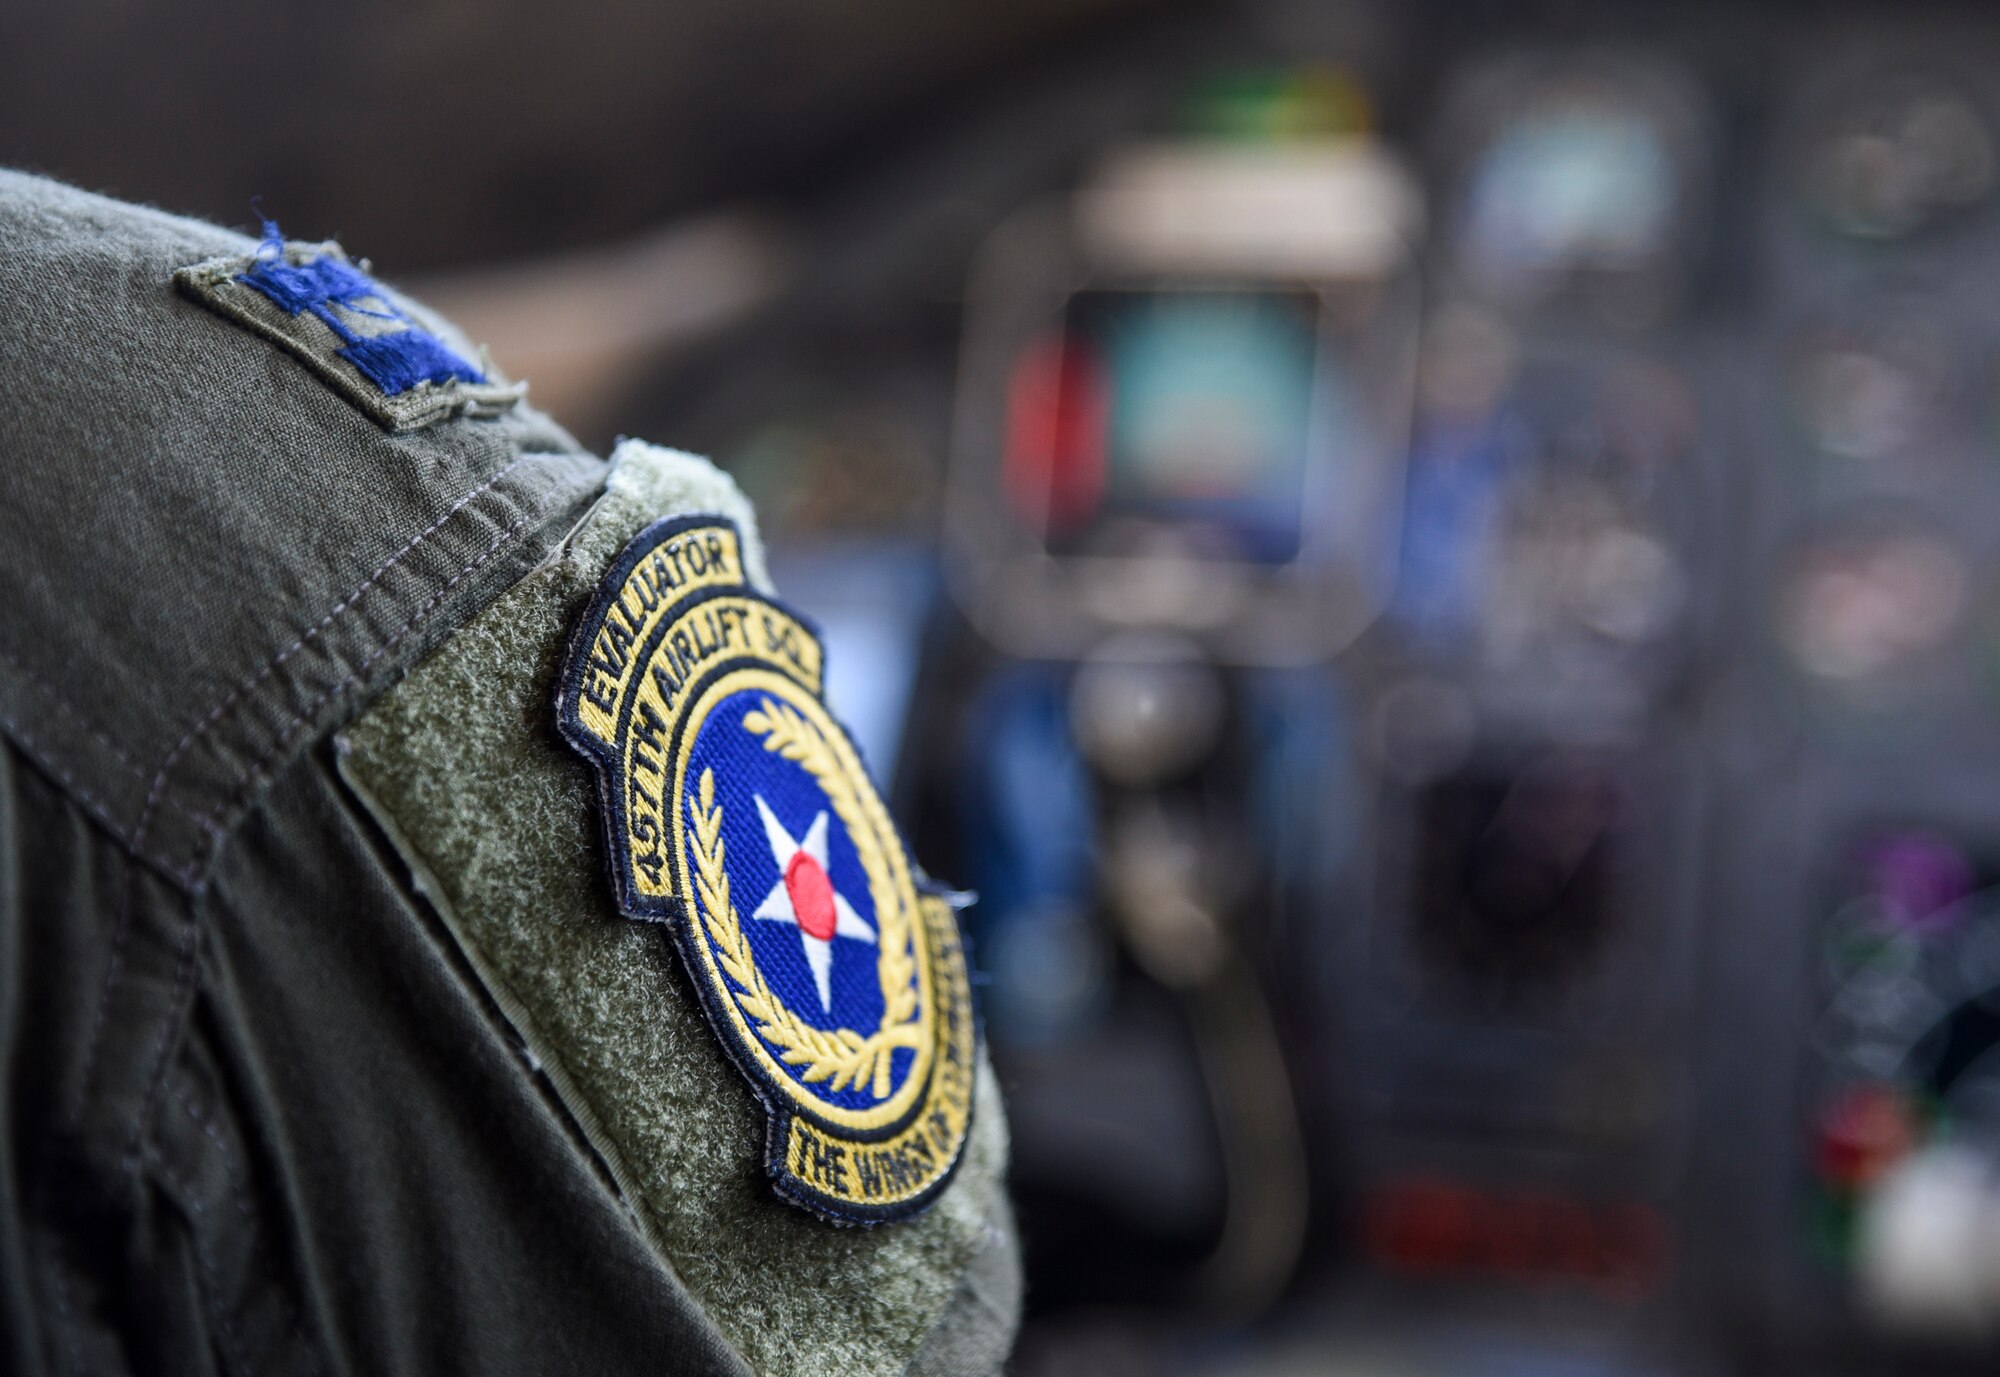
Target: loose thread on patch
{"type": "Point", "coordinates": [395, 361]}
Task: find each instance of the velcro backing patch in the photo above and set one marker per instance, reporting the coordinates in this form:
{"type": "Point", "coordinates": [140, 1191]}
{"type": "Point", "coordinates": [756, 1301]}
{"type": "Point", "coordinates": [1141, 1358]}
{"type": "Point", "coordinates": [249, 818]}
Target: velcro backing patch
{"type": "Point", "coordinates": [345, 326]}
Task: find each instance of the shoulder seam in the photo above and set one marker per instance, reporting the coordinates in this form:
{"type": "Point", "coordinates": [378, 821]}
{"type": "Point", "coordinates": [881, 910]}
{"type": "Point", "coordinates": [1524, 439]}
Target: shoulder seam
{"type": "Point", "coordinates": [212, 825]}
{"type": "Point", "coordinates": [62, 705]}
{"type": "Point", "coordinates": [214, 715]}
{"type": "Point", "coordinates": [45, 759]}
{"type": "Point", "coordinates": [246, 745]}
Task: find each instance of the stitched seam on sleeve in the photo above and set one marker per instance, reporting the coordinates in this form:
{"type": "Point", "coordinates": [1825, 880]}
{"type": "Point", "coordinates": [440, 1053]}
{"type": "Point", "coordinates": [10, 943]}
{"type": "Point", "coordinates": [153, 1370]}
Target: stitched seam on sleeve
{"type": "Point", "coordinates": [210, 1131]}
{"type": "Point", "coordinates": [45, 759]}
{"type": "Point", "coordinates": [184, 971]}
{"type": "Point", "coordinates": [211, 1280]}
{"type": "Point", "coordinates": [212, 824]}
{"type": "Point", "coordinates": [208, 722]}
{"type": "Point", "coordinates": [114, 969]}
{"type": "Point", "coordinates": [62, 705]}
{"type": "Point", "coordinates": [240, 1195]}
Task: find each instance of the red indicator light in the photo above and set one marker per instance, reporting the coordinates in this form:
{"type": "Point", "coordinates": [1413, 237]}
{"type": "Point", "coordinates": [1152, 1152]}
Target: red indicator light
{"type": "Point", "coordinates": [1864, 1131]}
{"type": "Point", "coordinates": [1433, 1227]}
{"type": "Point", "coordinates": [1058, 420]}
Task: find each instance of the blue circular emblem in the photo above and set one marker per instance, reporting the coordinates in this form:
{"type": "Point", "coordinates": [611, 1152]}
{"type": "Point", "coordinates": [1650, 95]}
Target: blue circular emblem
{"type": "Point", "coordinates": [796, 873]}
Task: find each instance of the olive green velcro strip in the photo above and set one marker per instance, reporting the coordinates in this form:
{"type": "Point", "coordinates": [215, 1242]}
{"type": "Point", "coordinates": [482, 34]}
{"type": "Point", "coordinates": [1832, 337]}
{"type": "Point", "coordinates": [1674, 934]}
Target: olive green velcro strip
{"type": "Point", "coordinates": [462, 766]}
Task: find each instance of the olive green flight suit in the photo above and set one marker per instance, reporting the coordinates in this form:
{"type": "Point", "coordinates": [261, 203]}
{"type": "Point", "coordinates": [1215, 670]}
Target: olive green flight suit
{"type": "Point", "coordinates": [325, 1049]}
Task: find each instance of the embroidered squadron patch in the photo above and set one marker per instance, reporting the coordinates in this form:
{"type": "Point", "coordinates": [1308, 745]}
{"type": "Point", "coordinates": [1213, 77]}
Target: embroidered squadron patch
{"type": "Point", "coordinates": [349, 329]}
{"type": "Point", "coordinates": [738, 813]}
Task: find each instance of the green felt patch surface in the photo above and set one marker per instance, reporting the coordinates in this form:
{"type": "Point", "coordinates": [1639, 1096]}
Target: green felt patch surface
{"type": "Point", "coordinates": [497, 818]}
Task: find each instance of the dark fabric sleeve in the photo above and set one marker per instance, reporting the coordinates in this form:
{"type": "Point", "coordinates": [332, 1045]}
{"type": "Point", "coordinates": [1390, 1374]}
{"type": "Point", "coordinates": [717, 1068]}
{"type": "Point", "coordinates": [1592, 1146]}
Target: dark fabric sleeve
{"type": "Point", "coordinates": [17, 1308]}
{"type": "Point", "coordinates": [84, 1250]}
{"type": "Point", "coordinates": [420, 1178]}
{"type": "Point", "coordinates": [318, 1151]}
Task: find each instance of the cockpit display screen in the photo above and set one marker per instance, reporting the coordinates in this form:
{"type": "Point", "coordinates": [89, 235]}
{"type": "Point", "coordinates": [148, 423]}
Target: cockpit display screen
{"type": "Point", "coordinates": [1189, 415]}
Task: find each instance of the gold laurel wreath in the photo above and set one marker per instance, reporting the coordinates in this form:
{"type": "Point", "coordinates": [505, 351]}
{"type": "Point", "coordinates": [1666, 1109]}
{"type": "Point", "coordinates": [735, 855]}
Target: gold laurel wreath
{"type": "Point", "coordinates": [842, 1056]}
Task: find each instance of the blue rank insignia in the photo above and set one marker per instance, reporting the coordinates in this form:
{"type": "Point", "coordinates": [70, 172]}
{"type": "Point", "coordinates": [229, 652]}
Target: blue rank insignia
{"type": "Point", "coordinates": [366, 342]}
{"type": "Point", "coordinates": [737, 812]}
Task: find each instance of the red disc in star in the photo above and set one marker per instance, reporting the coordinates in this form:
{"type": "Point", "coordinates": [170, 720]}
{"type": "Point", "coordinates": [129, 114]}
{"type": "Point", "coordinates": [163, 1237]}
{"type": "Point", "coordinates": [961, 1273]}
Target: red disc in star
{"type": "Point", "coordinates": [811, 894]}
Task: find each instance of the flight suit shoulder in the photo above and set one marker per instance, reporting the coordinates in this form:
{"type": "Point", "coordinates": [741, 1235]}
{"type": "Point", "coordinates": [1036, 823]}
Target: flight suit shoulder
{"type": "Point", "coordinates": [712, 941]}
{"type": "Point", "coordinates": [247, 485]}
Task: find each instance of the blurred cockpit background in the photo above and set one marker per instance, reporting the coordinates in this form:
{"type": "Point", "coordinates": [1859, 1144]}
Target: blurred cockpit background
{"type": "Point", "coordinates": [1437, 567]}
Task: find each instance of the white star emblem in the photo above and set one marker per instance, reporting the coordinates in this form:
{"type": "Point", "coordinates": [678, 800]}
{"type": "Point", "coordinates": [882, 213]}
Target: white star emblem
{"type": "Point", "coordinates": [805, 897]}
